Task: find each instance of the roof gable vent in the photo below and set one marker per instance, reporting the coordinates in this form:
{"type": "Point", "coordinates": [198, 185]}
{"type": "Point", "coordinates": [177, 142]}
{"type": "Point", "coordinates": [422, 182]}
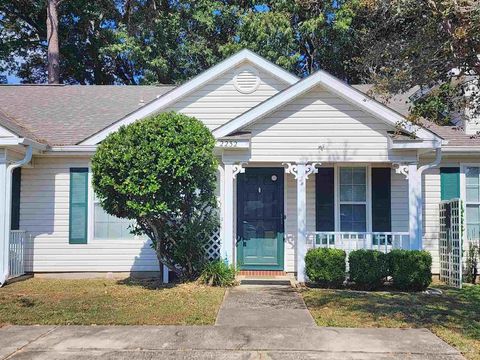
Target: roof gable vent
{"type": "Point", "coordinates": [246, 80]}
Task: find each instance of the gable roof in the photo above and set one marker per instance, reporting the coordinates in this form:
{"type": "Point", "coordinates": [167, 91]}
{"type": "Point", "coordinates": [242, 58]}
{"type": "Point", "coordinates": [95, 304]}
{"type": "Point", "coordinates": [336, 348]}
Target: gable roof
{"type": "Point", "coordinates": [192, 85]}
{"type": "Point", "coordinates": [333, 85]}
{"type": "Point", "coordinates": [67, 114]}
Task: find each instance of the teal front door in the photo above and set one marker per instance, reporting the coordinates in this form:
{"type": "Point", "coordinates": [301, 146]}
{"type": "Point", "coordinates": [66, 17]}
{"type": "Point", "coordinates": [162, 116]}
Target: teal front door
{"type": "Point", "coordinates": [260, 242]}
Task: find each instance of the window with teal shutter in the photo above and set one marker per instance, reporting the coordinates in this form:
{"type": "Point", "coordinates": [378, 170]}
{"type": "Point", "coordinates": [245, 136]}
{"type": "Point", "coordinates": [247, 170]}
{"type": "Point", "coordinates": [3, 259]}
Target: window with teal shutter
{"type": "Point", "coordinates": [449, 183]}
{"type": "Point", "coordinates": [78, 205]}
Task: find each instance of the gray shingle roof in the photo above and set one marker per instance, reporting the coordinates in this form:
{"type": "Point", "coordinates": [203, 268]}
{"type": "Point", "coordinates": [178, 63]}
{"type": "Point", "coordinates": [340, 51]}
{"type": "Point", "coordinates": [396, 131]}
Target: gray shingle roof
{"type": "Point", "coordinates": [401, 104]}
{"type": "Point", "coordinates": [66, 115]}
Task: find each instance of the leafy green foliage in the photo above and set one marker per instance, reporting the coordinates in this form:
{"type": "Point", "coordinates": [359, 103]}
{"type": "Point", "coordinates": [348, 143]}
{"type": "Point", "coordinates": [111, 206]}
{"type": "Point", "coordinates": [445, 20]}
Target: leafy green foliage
{"type": "Point", "coordinates": [471, 263]}
{"type": "Point", "coordinates": [217, 273]}
{"type": "Point", "coordinates": [325, 266]}
{"type": "Point", "coordinates": [438, 105]}
{"type": "Point", "coordinates": [419, 42]}
{"type": "Point", "coordinates": [161, 172]}
{"type": "Point", "coordinates": [165, 41]}
{"type": "Point", "coordinates": [368, 268]}
{"type": "Point", "coordinates": [410, 269]}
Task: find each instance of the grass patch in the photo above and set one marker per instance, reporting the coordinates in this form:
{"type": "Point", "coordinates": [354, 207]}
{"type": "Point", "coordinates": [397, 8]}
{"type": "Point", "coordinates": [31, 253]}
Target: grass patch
{"type": "Point", "coordinates": [107, 302]}
{"type": "Point", "coordinates": [454, 316]}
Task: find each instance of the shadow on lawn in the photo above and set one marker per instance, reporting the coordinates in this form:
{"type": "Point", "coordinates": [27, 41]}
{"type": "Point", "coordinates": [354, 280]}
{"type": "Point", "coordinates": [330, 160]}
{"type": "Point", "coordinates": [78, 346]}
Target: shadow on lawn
{"type": "Point", "coordinates": [459, 309]}
{"type": "Point", "coordinates": [152, 283]}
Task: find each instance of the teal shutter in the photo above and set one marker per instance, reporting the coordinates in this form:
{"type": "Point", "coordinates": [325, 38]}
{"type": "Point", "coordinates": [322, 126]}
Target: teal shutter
{"type": "Point", "coordinates": [15, 208]}
{"type": "Point", "coordinates": [78, 205]}
{"type": "Point", "coordinates": [325, 200]}
{"type": "Point", "coordinates": [381, 200]}
{"type": "Point", "coordinates": [449, 183]}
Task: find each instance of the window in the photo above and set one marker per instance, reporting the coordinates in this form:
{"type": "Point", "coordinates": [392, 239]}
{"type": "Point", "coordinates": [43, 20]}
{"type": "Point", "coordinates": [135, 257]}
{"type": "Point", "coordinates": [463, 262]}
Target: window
{"type": "Point", "coordinates": [108, 227]}
{"type": "Point", "coordinates": [472, 191]}
{"type": "Point", "coordinates": [353, 199]}
{"type": "Point", "coordinates": [78, 207]}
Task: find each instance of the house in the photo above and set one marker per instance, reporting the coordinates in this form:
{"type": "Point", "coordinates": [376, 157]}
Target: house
{"type": "Point", "coordinates": [303, 162]}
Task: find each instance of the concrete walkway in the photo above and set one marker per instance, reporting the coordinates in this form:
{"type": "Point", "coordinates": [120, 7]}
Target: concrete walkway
{"type": "Point", "coordinates": [254, 322]}
{"type": "Point", "coordinates": [264, 306]}
{"type": "Point", "coordinates": [218, 342]}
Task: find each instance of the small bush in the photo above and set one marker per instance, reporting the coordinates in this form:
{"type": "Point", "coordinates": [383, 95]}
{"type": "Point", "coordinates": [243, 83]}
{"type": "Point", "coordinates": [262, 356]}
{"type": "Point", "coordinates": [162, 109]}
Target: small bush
{"type": "Point", "coordinates": [325, 266]}
{"type": "Point", "coordinates": [368, 268]}
{"type": "Point", "coordinates": [471, 264]}
{"type": "Point", "coordinates": [410, 269]}
{"type": "Point", "coordinates": [217, 273]}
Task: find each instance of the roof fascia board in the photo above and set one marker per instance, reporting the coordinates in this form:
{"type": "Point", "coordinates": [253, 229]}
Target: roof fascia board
{"type": "Point", "coordinates": [192, 85]}
{"type": "Point", "coordinates": [22, 141]}
{"type": "Point", "coordinates": [337, 87]}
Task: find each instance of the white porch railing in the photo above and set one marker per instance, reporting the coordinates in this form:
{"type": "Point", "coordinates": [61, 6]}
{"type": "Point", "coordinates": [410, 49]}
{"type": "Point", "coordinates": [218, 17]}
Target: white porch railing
{"type": "Point", "coordinates": [349, 241]}
{"type": "Point", "coordinates": [16, 253]}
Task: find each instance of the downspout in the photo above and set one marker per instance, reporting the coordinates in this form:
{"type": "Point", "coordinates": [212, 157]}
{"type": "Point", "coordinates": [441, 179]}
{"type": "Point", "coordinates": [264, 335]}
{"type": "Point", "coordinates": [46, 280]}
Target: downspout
{"type": "Point", "coordinates": [4, 271]}
{"type": "Point", "coordinates": [435, 163]}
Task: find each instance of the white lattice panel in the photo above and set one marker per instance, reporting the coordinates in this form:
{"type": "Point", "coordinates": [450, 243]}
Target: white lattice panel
{"type": "Point", "coordinates": [450, 242]}
{"type": "Point", "coordinates": [213, 246]}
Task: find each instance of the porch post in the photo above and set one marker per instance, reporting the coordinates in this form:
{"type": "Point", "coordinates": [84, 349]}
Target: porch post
{"type": "Point", "coordinates": [415, 207]}
{"type": "Point", "coordinates": [228, 241]}
{"type": "Point", "coordinates": [4, 240]}
{"type": "Point", "coordinates": [301, 171]}
{"type": "Point", "coordinates": [301, 222]}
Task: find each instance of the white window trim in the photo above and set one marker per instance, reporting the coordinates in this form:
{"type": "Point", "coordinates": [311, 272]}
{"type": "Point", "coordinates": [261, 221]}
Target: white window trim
{"type": "Point", "coordinates": [463, 194]}
{"type": "Point", "coordinates": [91, 220]}
{"type": "Point", "coordinates": [368, 194]}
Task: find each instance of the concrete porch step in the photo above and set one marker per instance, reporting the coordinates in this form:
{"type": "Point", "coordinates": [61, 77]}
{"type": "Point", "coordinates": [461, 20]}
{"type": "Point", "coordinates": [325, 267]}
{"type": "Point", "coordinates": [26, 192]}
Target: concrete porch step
{"type": "Point", "coordinates": [265, 281]}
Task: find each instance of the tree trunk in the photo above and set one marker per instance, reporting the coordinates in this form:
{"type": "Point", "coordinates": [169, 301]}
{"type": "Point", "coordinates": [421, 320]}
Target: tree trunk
{"type": "Point", "coordinates": [53, 57]}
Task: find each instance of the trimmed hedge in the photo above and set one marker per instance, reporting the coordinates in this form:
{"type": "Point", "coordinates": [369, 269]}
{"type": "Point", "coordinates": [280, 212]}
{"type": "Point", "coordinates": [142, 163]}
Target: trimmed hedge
{"type": "Point", "coordinates": [368, 268]}
{"type": "Point", "coordinates": [410, 269]}
{"type": "Point", "coordinates": [326, 266]}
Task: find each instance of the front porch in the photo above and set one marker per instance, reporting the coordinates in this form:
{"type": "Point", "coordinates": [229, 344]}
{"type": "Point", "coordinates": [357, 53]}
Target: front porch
{"type": "Point", "coordinates": [272, 213]}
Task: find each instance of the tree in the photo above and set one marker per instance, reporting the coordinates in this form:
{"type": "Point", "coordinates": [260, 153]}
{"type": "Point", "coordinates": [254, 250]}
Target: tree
{"type": "Point", "coordinates": [301, 35]}
{"type": "Point", "coordinates": [161, 172]}
{"type": "Point", "coordinates": [419, 42]}
{"type": "Point", "coordinates": [53, 53]}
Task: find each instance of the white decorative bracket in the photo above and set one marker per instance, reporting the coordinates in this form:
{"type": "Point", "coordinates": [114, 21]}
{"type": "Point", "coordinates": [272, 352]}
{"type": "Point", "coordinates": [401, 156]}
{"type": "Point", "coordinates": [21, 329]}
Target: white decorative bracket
{"type": "Point", "coordinates": [237, 169]}
{"type": "Point", "coordinates": [308, 170]}
{"type": "Point", "coordinates": [401, 169]}
{"type": "Point", "coordinates": [291, 169]}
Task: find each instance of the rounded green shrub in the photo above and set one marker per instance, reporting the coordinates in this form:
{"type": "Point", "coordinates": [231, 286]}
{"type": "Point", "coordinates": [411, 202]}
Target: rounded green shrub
{"type": "Point", "coordinates": [368, 268]}
{"type": "Point", "coordinates": [217, 273]}
{"type": "Point", "coordinates": [410, 269]}
{"type": "Point", "coordinates": [325, 266]}
{"type": "Point", "coordinates": [161, 172]}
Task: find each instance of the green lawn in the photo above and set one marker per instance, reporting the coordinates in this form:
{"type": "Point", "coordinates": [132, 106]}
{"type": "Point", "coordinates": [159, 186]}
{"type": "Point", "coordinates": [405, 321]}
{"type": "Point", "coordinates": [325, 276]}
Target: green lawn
{"type": "Point", "coordinates": [454, 316]}
{"type": "Point", "coordinates": [102, 302]}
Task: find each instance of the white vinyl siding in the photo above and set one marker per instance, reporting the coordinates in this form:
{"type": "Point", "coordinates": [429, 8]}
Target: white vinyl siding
{"type": "Point", "coordinates": [320, 126]}
{"type": "Point", "coordinates": [219, 101]}
{"type": "Point", "coordinates": [399, 191]}
{"type": "Point", "coordinates": [44, 214]}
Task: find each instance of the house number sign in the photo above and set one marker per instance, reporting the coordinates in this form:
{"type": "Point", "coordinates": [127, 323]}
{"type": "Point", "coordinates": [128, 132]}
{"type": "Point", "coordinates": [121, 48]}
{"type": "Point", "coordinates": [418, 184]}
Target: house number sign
{"type": "Point", "coordinates": [228, 143]}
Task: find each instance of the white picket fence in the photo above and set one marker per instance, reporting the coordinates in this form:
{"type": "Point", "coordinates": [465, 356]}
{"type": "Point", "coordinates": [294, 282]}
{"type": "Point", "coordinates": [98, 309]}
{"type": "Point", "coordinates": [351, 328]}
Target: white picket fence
{"type": "Point", "coordinates": [16, 258]}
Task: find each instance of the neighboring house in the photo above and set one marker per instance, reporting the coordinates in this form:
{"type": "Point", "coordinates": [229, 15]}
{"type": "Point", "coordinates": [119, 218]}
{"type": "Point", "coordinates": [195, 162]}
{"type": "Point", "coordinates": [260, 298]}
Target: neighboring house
{"type": "Point", "coordinates": [302, 161]}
